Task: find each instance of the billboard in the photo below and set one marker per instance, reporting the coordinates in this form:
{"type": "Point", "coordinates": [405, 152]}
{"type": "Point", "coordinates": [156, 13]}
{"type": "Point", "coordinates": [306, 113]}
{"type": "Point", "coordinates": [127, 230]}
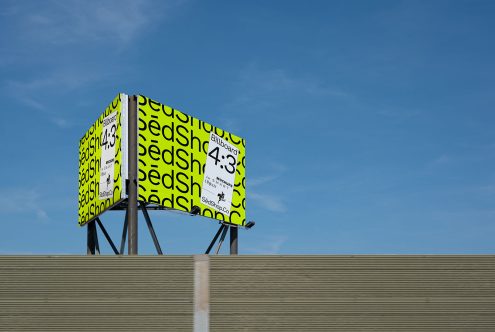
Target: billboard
{"type": "Point", "coordinates": [103, 161]}
{"type": "Point", "coordinates": [185, 162]}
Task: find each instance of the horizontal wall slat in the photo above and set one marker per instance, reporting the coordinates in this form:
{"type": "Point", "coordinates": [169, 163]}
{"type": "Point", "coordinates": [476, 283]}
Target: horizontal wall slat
{"type": "Point", "coordinates": [95, 293]}
{"type": "Point", "coordinates": [249, 293]}
{"type": "Point", "coordinates": [352, 293]}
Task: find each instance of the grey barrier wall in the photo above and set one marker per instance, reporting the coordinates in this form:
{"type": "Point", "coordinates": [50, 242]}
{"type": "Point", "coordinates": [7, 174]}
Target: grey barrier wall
{"type": "Point", "coordinates": [247, 293]}
{"type": "Point", "coordinates": [96, 293]}
{"type": "Point", "coordinates": [352, 293]}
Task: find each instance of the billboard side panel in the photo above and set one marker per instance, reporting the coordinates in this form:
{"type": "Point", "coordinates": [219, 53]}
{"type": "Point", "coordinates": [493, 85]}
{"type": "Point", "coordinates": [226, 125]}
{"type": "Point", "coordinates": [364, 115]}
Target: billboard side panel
{"type": "Point", "coordinates": [101, 151]}
{"type": "Point", "coordinates": [173, 149]}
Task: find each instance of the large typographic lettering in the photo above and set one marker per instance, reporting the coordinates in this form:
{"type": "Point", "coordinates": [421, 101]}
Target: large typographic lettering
{"type": "Point", "coordinates": [90, 153]}
{"type": "Point", "coordinates": [172, 154]}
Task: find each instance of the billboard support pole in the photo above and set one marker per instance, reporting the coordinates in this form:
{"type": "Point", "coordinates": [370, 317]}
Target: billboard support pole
{"type": "Point", "coordinates": [234, 243]}
{"type": "Point", "coordinates": [132, 206]}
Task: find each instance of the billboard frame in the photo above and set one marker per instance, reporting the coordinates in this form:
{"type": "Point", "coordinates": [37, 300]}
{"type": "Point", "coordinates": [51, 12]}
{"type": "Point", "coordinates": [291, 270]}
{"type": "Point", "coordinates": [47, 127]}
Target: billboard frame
{"type": "Point", "coordinates": [86, 158]}
{"type": "Point", "coordinates": [131, 204]}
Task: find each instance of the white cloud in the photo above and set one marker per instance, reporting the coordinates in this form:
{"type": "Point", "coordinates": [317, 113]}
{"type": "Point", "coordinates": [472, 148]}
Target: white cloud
{"type": "Point", "coordinates": [36, 93]}
{"type": "Point", "coordinates": [53, 40]}
{"type": "Point", "coordinates": [399, 113]}
{"type": "Point", "coordinates": [485, 189]}
{"type": "Point", "coordinates": [276, 80]}
{"type": "Point", "coordinates": [61, 123]}
{"type": "Point", "coordinates": [22, 200]}
{"type": "Point", "coordinates": [272, 92]}
{"type": "Point", "coordinates": [254, 182]}
{"type": "Point", "coordinates": [441, 160]}
{"type": "Point", "coordinates": [30, 102]}
{"type": "Point", "coordinates": [270, 245]}
{"type": "Point", "coordinates": [61, 79]}
{"type": "Point", "coordinates": [269, 202]}
{"type": "Point", "coordinates": [74, 21]}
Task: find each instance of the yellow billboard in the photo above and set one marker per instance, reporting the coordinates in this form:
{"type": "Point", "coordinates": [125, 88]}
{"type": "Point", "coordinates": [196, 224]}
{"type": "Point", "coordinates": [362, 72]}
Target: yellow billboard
{"type": "Point", "coordinates": [184, 162]}
{"type": "Point", "coordinates": [103, 161]}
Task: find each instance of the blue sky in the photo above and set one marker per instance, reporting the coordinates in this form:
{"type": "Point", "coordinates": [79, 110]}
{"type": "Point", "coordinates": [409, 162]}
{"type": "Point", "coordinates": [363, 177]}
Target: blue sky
{"type": "Point", "coordinates": [369, 124]}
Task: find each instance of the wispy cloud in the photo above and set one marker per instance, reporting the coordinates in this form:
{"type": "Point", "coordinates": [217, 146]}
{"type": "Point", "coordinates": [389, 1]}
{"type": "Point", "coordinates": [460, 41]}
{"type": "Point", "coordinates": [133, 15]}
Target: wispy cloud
{"type": "Point", "coordinates": [269, 245]}
{"type": "Point", "coordinates": [35, 93]}
{"type": "Point", "coordinates": [257, 181]}
{"type": "Point", "coordinates": [399, 113]}
{"type": "Point", "coordinates": [63, 78]}
{"type": "Point", "coordinates": [258, 89]}
{"type": "Point", "coordinates": [51, 37]}
{"type": "Point", "coordinates": [269, 202]}
{"type": "Point", "coordinates": [280, 80]}
{"type": "Point", "coordinates": [73, 21]}
{"type": "Point", "coordinates": [21, 201]}
{"type": "Point", "coordinates": [61, 123]}
{"type": "Point", "coordinates": [441, 160]}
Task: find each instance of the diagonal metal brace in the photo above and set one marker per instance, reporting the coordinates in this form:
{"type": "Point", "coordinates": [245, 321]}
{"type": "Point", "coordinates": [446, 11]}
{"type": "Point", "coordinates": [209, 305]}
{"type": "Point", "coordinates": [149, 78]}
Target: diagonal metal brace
{"type": "Point", "coordinates": [124, 235]}
{"type": "Point", "coordinates": [214, 239]}
{"type": "Point", "coordinates": [225, 229]}
{"type": "Point", "coordinates": [97, 245]}
{"type": "Point", "coordinates": [150, 228]}
{"type": "Point", "coordinates": [98, 221]}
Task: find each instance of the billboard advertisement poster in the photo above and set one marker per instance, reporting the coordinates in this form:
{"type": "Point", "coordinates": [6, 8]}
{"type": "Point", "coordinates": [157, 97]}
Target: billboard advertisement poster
{"type": "Point", "coordinates": [103, 161]}
{"type": "Point", "coordinates": [185, 162]}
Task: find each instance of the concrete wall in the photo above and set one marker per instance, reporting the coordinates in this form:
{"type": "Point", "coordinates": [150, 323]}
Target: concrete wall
{"type": "Point", "coordinates": [96, 293]}
{"type": "Point", "coordinates": [353, 293]}
{"type": "Point", "coordinates": [247, 293]}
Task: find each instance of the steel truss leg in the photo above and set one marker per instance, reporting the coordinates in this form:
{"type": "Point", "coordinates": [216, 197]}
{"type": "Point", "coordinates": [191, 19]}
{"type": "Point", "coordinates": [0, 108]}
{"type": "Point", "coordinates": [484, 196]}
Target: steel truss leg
{"type": "Point", "coordinates": [98, 221]}
{"type": "Point", "coordinates": [215, 239]}
{"type": "Point", "coordinates": [97, 245]}
{"type": "Point", "coordinates": [221, 239]}
{"type": "Point", "coordinates": [91, 245]}
{"type": "Point", "coordinates": [124, 235]}
{"type": "Point", "coordinates": [150, 228]}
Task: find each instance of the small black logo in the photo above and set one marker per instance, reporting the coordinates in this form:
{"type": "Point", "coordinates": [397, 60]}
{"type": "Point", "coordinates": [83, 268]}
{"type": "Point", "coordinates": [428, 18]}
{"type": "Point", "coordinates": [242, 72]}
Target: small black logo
{"type": "Point", "coordinates": [108, 180]}
{"type": "Point", "coordinates": [221, 197]}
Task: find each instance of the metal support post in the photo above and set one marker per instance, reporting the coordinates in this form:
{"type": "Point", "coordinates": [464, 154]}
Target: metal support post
{"type": "Point", "coordinates": [221, 239]}
{"type": "Point", "coordinates": [151, 229]}
{"type": "Point", "coordinates": [215, 239]}
{"type": "Point", "coordinates": [132, 207]}
{"type": "Point", "coordinates": [105, 233]}
{"type": "Point", "coordinates": [234, 244]}
{"type": "Point", "coordinates": [91, 245]}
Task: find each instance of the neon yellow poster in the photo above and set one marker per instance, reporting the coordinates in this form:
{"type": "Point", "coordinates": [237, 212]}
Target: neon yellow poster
{"type": "Point", "coordinates": [103, 161]}
{"type": "Point", "coordinates": [185, 162]}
